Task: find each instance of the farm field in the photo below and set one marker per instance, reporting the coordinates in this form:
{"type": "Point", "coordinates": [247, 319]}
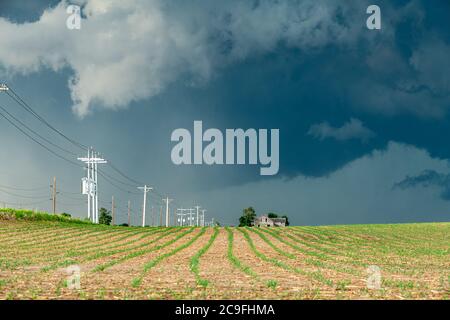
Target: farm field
{"type": "Point", "coordinates": [327, 262]}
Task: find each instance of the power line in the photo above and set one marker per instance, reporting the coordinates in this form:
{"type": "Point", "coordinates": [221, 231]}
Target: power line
{"type": "Point", "coordinates": [23, 189]}
{"type": "Point", "coordinates": [21, 126]}
{"type": "Point", "coordinates": [117, 180]}
{"type": "Point", "coordinates": [24, 204]}
{"type": "Point", "coordinates": [124, 175]}
{"type": "Point", "coordinates": [39, 143]}
{"type": "Point", "coordinates": [37, 134]}
{"type": "Point", "coordinates": [21, 196]}
{"type": "Point", "coordinates": [27, 107]}
{"type": "Point", "coordinates": [115, 185]}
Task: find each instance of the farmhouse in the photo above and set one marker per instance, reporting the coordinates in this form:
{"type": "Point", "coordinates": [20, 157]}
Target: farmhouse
{"type": "Point", "coordinates": [265, 221]}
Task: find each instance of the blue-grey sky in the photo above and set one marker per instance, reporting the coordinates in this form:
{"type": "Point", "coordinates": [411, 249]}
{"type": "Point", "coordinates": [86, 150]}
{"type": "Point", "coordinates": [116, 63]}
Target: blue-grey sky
{"type": "Point", "coordinates": [363, 114]}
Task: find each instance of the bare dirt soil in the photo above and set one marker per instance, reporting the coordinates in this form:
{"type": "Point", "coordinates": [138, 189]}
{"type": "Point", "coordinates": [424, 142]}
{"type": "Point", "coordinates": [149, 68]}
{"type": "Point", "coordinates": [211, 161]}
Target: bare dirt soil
{"type": "Point", "coordinates": [45, 260]}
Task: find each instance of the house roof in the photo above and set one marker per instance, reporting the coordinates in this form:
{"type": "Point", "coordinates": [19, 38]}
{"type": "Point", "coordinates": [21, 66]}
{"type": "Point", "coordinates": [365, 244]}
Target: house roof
{"type": "Point", "coordinates": [281, 220]}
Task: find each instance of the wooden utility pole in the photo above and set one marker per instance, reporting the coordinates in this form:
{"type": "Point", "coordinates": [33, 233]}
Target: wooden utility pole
{"type": "Point", "coordinates": [112, 211]}
{"type": "Point", "coordinates": [129, 213]}
{"type": "Point", "coordinates": [54, 195]}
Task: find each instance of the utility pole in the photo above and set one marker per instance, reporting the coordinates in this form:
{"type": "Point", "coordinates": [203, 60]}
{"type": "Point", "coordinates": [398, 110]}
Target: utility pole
{"type": "Point", "coordinates": [197, 207]}
{"type": "Point", "coordinates": [167, 200]}
{"type": "Point", "coordinates": [190, 216]}
{"type": "Point", "coordinates": [54, 195]}
{"type": "Point", "coordinates": [203, 218]}
{"type": "Point", "coordinates": [90, 184]}
{"type": "Point", "coordinates": [129, 213]}
{"type": "Point", "coordinates": [181, 216]}
{"type": "Point", "coordinates": [145, 189]}
{"type": "Point", "coordinates": [112, 211]}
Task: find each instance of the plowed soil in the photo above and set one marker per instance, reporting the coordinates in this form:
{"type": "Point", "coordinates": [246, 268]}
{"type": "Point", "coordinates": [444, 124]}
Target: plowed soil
{"type": "Point", "coordinates": [55, 260]}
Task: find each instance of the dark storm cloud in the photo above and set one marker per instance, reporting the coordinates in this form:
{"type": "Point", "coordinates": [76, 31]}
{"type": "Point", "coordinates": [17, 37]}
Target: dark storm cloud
{"type": "Point", "coordinates": [244, 68]}
{"type": "Point", "coordinates": [428, 178]}
{"type": "Point", "coordinates": [21, 11]}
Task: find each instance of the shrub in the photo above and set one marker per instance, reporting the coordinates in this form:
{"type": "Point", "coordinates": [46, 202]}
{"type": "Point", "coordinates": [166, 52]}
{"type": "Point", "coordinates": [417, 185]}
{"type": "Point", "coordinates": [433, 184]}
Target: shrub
{"type": "Point", "coordinates": [19, 214]}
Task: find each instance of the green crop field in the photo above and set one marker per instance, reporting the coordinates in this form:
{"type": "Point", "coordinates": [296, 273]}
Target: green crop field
{"type": "Point", "coordinates": [42, 258]}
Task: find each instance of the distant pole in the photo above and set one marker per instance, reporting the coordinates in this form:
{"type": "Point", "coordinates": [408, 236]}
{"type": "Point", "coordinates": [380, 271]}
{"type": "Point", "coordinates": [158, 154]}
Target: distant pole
{"type": "Point", "coordinates": [88, 161]}
{"type": "Point", "coordinates": [203, 218]}
{"type": "Point", "coordinates": [190, 217]}
{"type": "Point", "coordinates": [96, 189]}
{"type": "Point", "coordinates": [112, 211]}
{"type": "Point", "coordinates": [167, 200]}
{"type": "Point", "coordinates": [54, 195]}
{"type": "Point", "coordinates": [145, 189]}
{"type": "Point", "coordinates": [129, 213]}
{"type": "Point", "coordinates": [197, 207]}
{"type": "Point", "coordinates": [181, 216]}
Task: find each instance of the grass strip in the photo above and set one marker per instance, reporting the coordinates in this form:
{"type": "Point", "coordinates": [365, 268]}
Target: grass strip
{"type": "Point", "coordinates": [317, 275]}
{"type": "Point", "coordinates": [234, 260]}
{"type": "Point", "coordinates": [104, 266]}
{"type": "Point", "coordinates": [195, 260]}
{"type": "Point", "coordinates": [270, 243]}
{"type": "Point", "coordinates": [136, 282]}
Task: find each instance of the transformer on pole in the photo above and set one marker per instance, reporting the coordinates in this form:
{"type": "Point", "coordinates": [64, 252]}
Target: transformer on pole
{"type": "Point", "coordinates": [90, 183]}
{"type": "Point", "coordinates": [181, 216]}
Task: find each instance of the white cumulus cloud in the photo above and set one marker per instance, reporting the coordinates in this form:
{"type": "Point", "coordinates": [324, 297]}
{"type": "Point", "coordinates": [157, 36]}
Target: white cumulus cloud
{"type": "Point", "coordinates": [132, 50]}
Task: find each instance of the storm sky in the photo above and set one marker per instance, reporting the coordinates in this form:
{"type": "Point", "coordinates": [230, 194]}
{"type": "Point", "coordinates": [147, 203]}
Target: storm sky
{"type": "Point", "coordinates": [363, 114]}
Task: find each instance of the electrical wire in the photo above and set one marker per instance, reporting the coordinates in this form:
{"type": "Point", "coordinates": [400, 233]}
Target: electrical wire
{"type": "Point", "coordinates": [109, 178]}
{"type": "Point", "coordinates": [117, 180]}
{"type": "Point", "coordinates": [124, 175]}
{"type": "Point", "coordinates": [37, 134]}
{"type": "Point", "coordinates": [23, 189]}
{"type": "Point", "coordinates": [115, 185]}
{"type": "Point", "coordinates": [21, 196]}
{"type": "Point", "coordinates": [27, 107]}
{"type": "Point", "coordinates": [39, 143]}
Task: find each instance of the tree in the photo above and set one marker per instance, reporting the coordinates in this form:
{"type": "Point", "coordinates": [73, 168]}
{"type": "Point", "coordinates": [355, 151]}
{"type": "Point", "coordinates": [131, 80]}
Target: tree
{"type": "Point", "coordinates": [105, 217]}
{"type": "Point", "coordinates": [248, 215]}
{"type": "Point", "coordinates": [272, 215]}
{"type": "Point", "coordinates": [287, 220]}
